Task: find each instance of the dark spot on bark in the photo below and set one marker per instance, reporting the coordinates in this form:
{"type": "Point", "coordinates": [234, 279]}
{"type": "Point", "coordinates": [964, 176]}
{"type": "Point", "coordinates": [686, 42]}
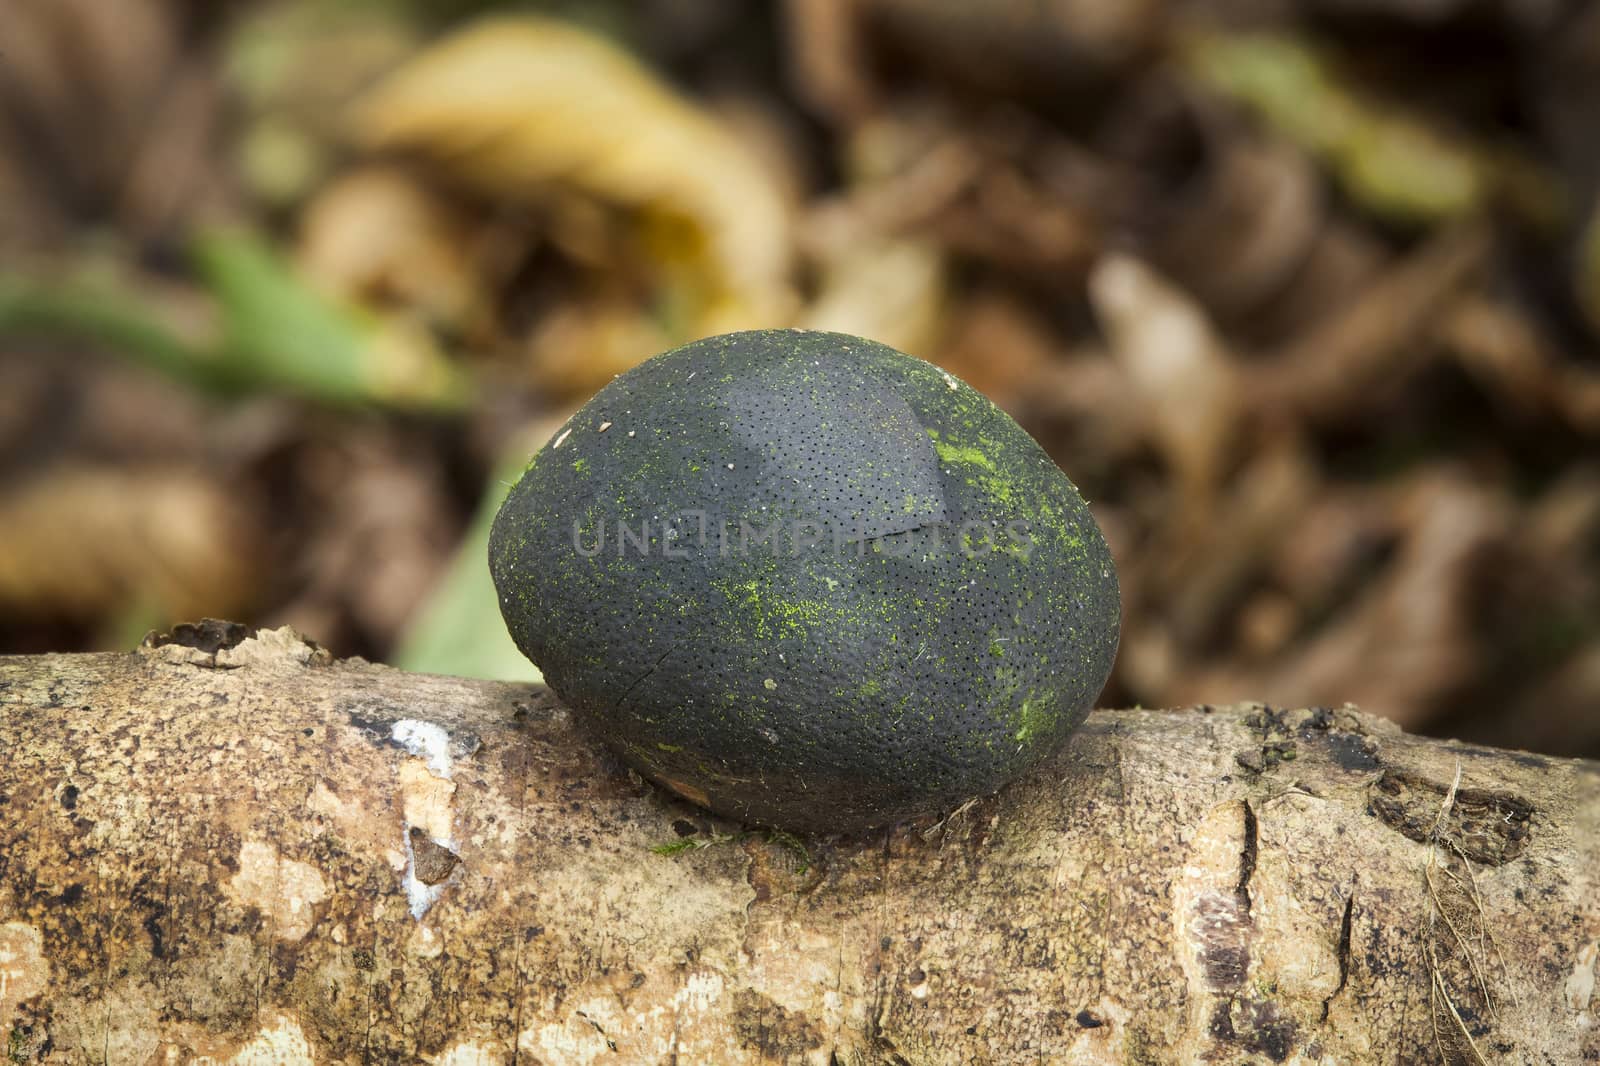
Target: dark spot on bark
{"type": "Point", "coordinates": [152, 927]}
{"type": "Point", "coordinates": [1247, 855]}
{"type": "Point", "coordinates": [611, 1045]}
{"type": "Point", "coordinates": [1224, 932]}
{"type": "Point", "coordinates": [917, 976]}
{"type": "Point", "coordinates": [1343, 952]}
{"type": "Point", "coordinates": [1491, 827]}
{"type": "Point", "coordinates": [1250, 759]}
{"type": "Point", "coordinates": [308, 731]}
{"type": "Point", "coordinates": [376, 718]}
{"type": "Point", "coordinates": [776, 1032]}
{"type": "Point", "coordinates": [684, 828]}
{"type": "Point", "coordinates": [1221, 1025]}
{"type": "Point", "coordinates": [72, 893]}
{"type": "Point", "coordinates": [1255, 1025]}
{"type": "Point", "coordinates": [432, 861]}
{"type": "Point", "coordinates": [69, 797]}
{"type": "Point", "coordinates": [29, 1041]}
{"type": "Point", "coordinates": [1349, 751]}
{"type": "Point", "coordinates": [209, 635]}
{"type": "Point", "coordinates": [362, 959]}
{"type": "Point", "coordinates": [1086, 1019]}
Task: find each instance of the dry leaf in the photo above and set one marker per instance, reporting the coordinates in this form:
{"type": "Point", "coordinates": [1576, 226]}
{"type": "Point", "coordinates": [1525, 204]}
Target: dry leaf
{"type": "Point", "coordinates": [376, 524]}
{"type": "Point", "coordinates": [376, 236]}
{"type": "Point", "coordinates": [1187, 385]}
{"type": "Point", "coordinates": [1337, 364]}
{"type": "Point", "coordinates": [106, 110]}
{"type": "Point", "coordinates": [1000, 346]}
{"type": "Point", "coordinates": [1407, 641]}
{"type": "Point", "coordinates": [1258, 209]}
{"type": "Point", "coordinates": [1587, 281]}
{"type": "Point", "coordinates": [579, 347]}
{"type": "Point", "coordinates": [85, 543]}
{"type": "Point", "coordinates": [512, 105]}
{"type": "Point", "coordinates": [890, 291]}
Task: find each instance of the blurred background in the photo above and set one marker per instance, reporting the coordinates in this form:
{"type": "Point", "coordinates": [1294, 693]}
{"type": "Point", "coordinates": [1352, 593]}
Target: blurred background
{"type": "Point", "coordinates": [1303, 294]}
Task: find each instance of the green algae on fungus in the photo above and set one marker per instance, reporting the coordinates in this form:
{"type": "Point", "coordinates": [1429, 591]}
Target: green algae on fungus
{"type": "Point", "coordinates": [808, 581]}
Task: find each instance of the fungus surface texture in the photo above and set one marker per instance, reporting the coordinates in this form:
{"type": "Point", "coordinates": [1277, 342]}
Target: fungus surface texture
{"type": "Point", "coordinates": [808, 581]}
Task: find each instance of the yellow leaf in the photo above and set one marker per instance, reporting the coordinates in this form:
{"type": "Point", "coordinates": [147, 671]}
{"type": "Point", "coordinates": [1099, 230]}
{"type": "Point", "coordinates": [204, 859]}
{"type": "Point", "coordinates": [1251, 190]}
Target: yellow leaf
{"type": "Point", "coordinates": [516, 105]}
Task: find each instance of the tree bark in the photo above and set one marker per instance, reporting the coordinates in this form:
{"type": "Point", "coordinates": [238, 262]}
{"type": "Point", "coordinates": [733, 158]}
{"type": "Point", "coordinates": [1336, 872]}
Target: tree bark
{"type": "Point", "coordinates": [244, 851]}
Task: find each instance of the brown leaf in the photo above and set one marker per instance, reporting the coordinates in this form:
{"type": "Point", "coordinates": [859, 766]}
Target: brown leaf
{"type": "Point", "coordinates": [1407, 641]}
{"type": "Point", "coordinates": [512, 105]}
{"type": "Point", "coordinates": [1337, 364]}
{"type": "Point", "coordinates": [1187, 386]}
{"type": "Point", "coordinates": [377, 236]}
{"type": "Point", "coordinates": [891, 291]}
{"type": "Point", "coordinates": [85, 542]}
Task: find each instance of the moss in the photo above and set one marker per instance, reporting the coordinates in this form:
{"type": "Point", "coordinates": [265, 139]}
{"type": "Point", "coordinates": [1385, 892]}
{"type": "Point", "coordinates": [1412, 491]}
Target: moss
{"type": "Point", "coordinates": [1033, 719]}
{"type": "Point", "coordinates": [794, 845]}
{"type": "Point", "coordinates": [678, 847]}
{"type": "Point", "coordinates": [958, 453]}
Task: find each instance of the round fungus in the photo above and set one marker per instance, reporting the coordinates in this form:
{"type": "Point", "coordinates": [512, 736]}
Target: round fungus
{"type": "Point", "coordinates": [808, 581]}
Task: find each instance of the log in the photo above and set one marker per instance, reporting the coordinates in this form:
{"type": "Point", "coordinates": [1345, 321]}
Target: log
{"type": "Point", "coordinates": [229, 847]}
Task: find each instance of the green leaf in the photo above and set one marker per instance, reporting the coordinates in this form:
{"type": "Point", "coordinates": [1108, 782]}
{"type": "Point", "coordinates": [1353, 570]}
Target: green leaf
{"type": "Point", "coordinates": [109, 315]}
{"type": "Point", "coordinates": [459, 630]}
{"type": "Point", "coordinates": [275, 333]}
{"type": "Point", "coordinates": [278, 331]}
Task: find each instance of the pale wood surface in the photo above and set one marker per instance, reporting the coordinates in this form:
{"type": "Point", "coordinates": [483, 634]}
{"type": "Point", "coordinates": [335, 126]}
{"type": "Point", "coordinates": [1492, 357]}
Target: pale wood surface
{"type": "Point", "coordinates": [224, 857]}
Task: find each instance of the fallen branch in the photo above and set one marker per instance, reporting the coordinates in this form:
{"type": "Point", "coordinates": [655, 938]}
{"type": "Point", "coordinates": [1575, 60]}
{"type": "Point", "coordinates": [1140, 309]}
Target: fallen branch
{"type": "Point", "coordinates": [243, 851]}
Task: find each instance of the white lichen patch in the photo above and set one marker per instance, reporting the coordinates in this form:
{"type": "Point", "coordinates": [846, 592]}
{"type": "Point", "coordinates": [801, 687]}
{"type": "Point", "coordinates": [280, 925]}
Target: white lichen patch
{"type": "Point", "coordinates": [426, 797]}
{"type": "Point", "coordinates": [425, 740]}
{"type": "Point", "coordinates": [24, 973]}
{"type": "Point", "coordinates": [1579, 990]}
{"type": "Point", "coordinates": [699, 992]}
{"type": "Point", "coordinates": [280, 1043]}
{"type": "Point", "coordinates": [284, 890]}
{"type": "Point", "coordinates": [468, 1055]}
{"type": "Point", "coordinates": [573, 1041]}
{"type": "Point", "coordinates": [424, 943]}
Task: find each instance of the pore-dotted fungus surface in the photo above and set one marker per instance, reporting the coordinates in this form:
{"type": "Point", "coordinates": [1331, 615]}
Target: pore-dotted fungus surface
{"type": "Point", "coordinates": [808, 581]}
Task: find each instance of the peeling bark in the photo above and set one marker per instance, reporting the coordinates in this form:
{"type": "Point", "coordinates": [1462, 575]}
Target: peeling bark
{"type": "Point", "coordinates": [235, 849]}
